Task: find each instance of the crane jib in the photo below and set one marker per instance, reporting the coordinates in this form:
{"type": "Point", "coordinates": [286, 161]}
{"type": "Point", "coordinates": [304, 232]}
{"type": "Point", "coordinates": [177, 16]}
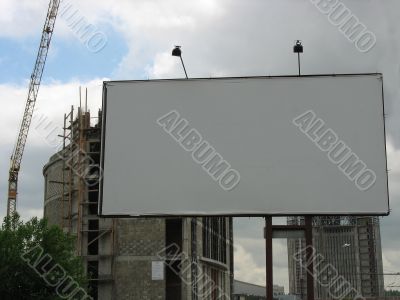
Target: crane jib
{"type": "Point", "coordinates": [34, 84]}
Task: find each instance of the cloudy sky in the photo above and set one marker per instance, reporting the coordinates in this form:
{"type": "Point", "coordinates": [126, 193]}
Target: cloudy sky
{"type": "Point", "coordinates": [133, 39]}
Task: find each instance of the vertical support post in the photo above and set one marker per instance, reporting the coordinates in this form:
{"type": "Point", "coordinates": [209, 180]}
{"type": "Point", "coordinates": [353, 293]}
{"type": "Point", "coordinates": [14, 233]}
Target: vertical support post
{"type": "Point", "coordinates": [71, 162]}
{"type": "Point", "coordinates": [86, 101]}
{"type": "Point", "coordinates": [268, 258]}
{"type": "Point", "coordinates": [63, 214]}
{"type": "Point", "coordinates": [232, 266]}
{"type": "Point", "coordinates": [184, 68]}
{"type": "Point", "coordinates": [194, 262]}
{"type": "Point", "coordinates": [298, 61]}
{"type": "Point", "coordinates": [309, 258]}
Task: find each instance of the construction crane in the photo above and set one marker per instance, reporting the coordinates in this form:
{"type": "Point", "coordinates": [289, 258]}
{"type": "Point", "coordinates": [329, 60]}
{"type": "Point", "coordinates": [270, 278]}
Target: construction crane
{"type": "Point", "coordinates": [34, 85]}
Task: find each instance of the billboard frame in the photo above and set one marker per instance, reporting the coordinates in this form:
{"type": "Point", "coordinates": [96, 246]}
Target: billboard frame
{"type": "Point", "coordinates": [127, 216]}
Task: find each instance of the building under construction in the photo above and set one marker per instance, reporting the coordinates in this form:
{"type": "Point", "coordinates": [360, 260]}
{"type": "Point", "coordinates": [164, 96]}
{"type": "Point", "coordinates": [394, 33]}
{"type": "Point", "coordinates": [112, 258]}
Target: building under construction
{"type": "Point", "coordinates": [141, 258]}
{"type": "Point", "coordinates": [347, 258]}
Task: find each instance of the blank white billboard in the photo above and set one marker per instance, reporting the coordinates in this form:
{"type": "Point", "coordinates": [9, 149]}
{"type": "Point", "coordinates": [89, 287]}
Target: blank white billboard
{"type": "Point", "coordinates": [310, 145]}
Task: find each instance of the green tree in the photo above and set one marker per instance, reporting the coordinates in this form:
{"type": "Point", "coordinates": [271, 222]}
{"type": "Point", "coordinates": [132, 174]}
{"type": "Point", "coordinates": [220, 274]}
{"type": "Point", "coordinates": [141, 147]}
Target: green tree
{"type": "Point", "coordinates": [394, 293]}
{"type": "Point", "coordinates": [37, 261]}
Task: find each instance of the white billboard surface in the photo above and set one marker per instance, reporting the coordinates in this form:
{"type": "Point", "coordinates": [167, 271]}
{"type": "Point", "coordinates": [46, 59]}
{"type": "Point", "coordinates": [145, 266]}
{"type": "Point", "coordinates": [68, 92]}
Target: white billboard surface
{"type": "Point", "coordinates": [310, 145]}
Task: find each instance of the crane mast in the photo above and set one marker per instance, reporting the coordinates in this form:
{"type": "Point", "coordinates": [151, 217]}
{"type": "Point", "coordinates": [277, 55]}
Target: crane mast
{"type": "Point", "coordinates": [34, 85]}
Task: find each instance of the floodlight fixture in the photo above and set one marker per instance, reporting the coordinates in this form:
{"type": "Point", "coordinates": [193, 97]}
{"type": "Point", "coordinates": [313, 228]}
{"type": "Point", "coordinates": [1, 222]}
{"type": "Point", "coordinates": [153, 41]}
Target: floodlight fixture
{"type": "Point", "coordinates": [178, 52]}
{"type": "Point", "coordinates": [298, 48]}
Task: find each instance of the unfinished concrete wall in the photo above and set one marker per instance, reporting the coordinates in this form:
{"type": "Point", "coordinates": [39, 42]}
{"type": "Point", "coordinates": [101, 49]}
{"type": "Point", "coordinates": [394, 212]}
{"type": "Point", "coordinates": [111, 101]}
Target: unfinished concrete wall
{"type": "Point", "coordinates": [137, 244]}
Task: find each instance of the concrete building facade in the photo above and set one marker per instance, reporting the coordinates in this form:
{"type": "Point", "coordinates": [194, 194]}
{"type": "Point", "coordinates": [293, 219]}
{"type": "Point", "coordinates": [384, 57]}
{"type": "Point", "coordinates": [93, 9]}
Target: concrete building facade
{"type": "Point", "coordinates": [347, 258]}
{"type": "Point", "coordinates": [141, 258]}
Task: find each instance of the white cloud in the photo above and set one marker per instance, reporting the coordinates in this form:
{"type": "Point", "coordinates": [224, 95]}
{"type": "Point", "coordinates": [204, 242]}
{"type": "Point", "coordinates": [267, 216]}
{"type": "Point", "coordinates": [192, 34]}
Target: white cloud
{"type": "Point", "coordinates": [53, 101]}
{"type": "Point", "coordinates": [391, 265]}
{"type": "Point", "coordinates": [250, 261]}
{"type": "Point", "coordinates": [165, 67]}
{"type": "Point", "coordinates": [393, 156]}
{"type": "Point", "coordinates": [390, 224]}
{"type": "Point", "coordinates": [19, 18]}
{"type": "Point", "coordinates": [25, 18]}
{"type": "Point", "coordinates": [246, 269]}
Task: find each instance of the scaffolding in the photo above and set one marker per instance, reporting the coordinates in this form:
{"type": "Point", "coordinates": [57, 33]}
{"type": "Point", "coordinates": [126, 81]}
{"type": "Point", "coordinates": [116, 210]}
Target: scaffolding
{"type": "Point", "coordinates": [67, 189]}
{"type": "Point", "coordinates": [95, 237]}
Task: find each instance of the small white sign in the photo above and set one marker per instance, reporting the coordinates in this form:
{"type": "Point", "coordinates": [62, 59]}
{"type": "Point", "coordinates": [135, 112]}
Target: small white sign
{"type": "Point", "coordinates": [157, 270]}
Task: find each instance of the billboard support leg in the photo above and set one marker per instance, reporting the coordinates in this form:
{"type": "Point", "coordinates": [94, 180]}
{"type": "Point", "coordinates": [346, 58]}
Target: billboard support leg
{"type": "Point", "coordinates": [268, 235]}
{"type": "Point", "coordinates": [268, 258]}
{"type": "Point", "coordinates": [309, 258]}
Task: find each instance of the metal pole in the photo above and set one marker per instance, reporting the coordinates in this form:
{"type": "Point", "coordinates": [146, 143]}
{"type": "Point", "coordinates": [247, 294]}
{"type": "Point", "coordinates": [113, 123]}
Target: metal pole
{"type": "Point", "coordinates": [184, 67]}
{"type": "Point", "coordinates": [309, 258]}
{"type": "Point", "coordinates": [232, 266]}
{"type": "Point", "coordinates": [298, 60]}
{"type": "Point", "coordinates": [268, 258]}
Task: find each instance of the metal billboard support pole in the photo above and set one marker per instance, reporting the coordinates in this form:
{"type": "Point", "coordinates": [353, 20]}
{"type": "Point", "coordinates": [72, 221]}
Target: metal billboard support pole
{"type": "Point", "coordinates": [287, 229]}
{"type": "Point", "coordinates": [268, 259]}
{"type": "Point", "coordinates": [309, 258]}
